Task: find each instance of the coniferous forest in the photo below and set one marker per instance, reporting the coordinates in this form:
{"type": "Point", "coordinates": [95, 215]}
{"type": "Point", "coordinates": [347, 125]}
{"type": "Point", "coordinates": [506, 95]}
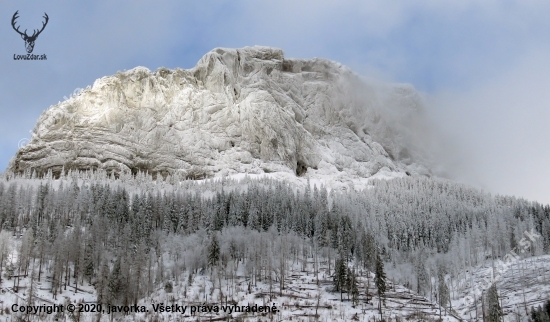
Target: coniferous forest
{"type": "Point", "coordinates": [131, 235]}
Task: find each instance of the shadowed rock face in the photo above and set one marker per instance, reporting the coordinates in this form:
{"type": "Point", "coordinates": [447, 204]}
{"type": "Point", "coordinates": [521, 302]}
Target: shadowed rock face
{"type": "Point", "coordinates": [244, 110]}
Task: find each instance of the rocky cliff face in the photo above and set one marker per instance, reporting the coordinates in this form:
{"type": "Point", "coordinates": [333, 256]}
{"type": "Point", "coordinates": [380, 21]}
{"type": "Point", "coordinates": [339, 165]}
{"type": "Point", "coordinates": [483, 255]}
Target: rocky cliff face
{"type": "Point", "coordinates": [244, 110]}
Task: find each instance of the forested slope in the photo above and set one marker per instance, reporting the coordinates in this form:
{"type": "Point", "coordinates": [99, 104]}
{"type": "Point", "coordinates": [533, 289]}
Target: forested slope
{"type": "Point", "coordinates": [89, 229]}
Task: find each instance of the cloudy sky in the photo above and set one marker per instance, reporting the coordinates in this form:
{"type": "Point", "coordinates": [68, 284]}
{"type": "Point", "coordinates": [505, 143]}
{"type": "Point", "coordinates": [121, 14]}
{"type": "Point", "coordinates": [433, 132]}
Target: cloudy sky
{"type": "Point", "coordinates": [484, 65]}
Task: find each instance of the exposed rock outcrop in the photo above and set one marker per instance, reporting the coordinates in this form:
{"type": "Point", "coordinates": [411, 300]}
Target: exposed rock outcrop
{"type": "Point", "coordinates": [244, 110]}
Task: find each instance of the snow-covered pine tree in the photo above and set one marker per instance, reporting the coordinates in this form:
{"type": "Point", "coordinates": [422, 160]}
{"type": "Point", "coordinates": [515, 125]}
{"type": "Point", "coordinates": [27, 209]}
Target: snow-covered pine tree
{"type": "Point", "coordinates": [443, 290]}
{"type": "Point", "coordinates": [5, 249]}
{"type": "Point", "coordinates": [213, 251]}
{"type": "Point", "coordinates": [380, 281]}
{"type": "Point", "coordinates": [115, 283]}
{"type": "Point", "coordinates": [340, 274]}
{"type": "Point", "coordinates": [33, 289]}
{"type": "Point", "coordinates": [88, 258]}
{"type": "Point", "coordinates": [494, 311]}
{"type": "Point", "coordinates": [541, 313]}
{"type": "Point", "coordinates": [422, 278]}
{"type": "Point", "coordinates": [353, 287]}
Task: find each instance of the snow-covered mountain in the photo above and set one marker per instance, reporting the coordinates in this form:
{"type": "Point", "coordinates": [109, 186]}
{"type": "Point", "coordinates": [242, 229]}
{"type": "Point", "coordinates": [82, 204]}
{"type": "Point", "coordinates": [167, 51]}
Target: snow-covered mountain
{"type": "Point", "coordinates": [248, 110]}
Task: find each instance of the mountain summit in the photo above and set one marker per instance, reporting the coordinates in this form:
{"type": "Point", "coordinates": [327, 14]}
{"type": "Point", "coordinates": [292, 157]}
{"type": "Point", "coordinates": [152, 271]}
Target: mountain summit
{"type": "Point", "coordinates": [248, 110]}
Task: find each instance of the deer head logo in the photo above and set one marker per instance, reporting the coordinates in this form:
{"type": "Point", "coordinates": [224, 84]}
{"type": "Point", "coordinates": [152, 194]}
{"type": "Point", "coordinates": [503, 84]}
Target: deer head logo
{"type": "Point", "coordinates": [29, 40]}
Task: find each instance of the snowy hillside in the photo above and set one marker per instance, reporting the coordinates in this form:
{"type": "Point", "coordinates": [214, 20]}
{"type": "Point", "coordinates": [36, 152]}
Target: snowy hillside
{"type": "Point", "coordinates": [248, 110]}
{"type": "Point", "coordinates": [524, 284]}
{"type": "Point", "coordinates": [307, 296]}
{"type": "Point", "coordinates": [421, 247]}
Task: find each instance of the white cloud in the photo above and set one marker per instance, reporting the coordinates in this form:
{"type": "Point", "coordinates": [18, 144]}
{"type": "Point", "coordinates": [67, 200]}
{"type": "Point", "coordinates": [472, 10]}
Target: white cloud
{"type": "Point", "coordinates": [501, 129]}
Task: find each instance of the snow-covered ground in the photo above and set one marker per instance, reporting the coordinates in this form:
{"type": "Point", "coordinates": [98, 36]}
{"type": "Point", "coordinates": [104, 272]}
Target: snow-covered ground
{"type": "Point", "coordinates": [524, 284]}
{"type": "Point", "coordinates": [306, 297]}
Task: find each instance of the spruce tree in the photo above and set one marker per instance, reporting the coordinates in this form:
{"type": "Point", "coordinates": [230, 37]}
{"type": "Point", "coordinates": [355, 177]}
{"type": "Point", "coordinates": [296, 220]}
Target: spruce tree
{"type": "Point", "coordinates": [369, 248]}
{"type": "Point", "coordinates": [89, 261]}
{"type": "Point", "coordinates": [494, 311]}
{"type": "Point", "coordinates": [340, 276]}
{"type": "Point", "coordinates": [115, 284]}
{"type": "Point", "coordinates": [422, 278]}
{"type": "Point", "coordinates": [540, 314]}
{"type": "Point", "coordinates": [33, 289]}
{"type": "Point", "coordinates": [348, 281]}
{"type": "Point", "coordinates": [380, 281]}
{"type": "Point", "coordinates": [213, 251]}
{"type": "Point", "coordinates": [353, 288]}
{"type": "Point", "coordinates": [102, 283]}
{"type": "Point", "coordinates": [443, 290]}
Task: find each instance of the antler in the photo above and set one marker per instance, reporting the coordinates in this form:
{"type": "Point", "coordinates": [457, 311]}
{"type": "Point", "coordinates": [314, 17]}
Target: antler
{"type": "Point", "coordinates": [43, 25]}
{"type": "Point", "coordinates": [15, 16]}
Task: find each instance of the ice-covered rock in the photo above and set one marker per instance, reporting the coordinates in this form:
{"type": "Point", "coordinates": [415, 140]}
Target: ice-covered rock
{"type": "Point", "coordinates": [246, 110]}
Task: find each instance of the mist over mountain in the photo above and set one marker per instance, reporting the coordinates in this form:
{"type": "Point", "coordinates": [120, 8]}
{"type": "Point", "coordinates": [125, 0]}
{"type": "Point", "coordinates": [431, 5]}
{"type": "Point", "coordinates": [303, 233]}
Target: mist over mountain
{"type": "Point", "coordinates": [248, 110]}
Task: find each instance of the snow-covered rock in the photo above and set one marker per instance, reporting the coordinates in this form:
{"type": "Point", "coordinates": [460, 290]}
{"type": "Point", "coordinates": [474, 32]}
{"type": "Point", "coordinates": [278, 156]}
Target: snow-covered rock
{"type": "Point", "coordinates": [246, 110]}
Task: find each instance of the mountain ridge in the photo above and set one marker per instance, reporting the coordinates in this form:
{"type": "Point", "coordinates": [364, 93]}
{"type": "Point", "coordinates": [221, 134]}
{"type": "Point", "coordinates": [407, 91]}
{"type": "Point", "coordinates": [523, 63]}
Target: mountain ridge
{"type": "Point", "coordinates": [248, 110]}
